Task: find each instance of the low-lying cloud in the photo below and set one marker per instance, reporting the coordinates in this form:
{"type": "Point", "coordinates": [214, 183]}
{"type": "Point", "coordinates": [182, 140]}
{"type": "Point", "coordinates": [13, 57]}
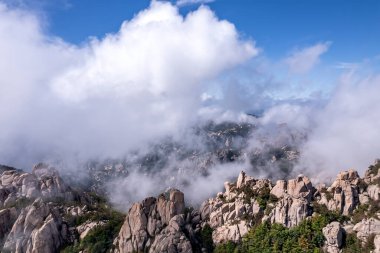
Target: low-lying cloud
{"type": "Point", "coordinates": [158, 76]}
{"type": "Point", "coordinates": [346, 132]}
{"type": "Point", "coordinates": [113, 94]}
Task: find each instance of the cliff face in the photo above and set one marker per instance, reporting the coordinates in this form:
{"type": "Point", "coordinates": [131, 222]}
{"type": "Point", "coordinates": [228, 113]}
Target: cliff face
{"type": "Point", "coordinates": [33, 209]}
{"type": "Point", "coordinates": [156, 224]}
{"type": "Point", "coordinates": [41, 213]}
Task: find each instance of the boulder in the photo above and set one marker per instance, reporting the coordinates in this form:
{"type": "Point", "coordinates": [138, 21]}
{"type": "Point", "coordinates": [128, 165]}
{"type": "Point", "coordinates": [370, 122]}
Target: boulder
{"type": "Point", "coordinates": [367, 227]}
{"type": "Point", "coordinates": [230, 232]}
{"type": "Point", "coordinates": [86, 227]}
{"type": "Point", "coordinates": [333, 233]}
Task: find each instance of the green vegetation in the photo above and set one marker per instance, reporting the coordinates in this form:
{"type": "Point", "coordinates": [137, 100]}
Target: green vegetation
{"type": "Point", "coordinates": [327, 214]}
{"type": "Point", "coordinates": [262, 195]}
{"type": "Point", "coordinates": [228, 247]}
{"type": "Point", "coordinates": [99, 239]}
{"type": "Point", "coordinates": [306, 237]}
{"type": "Point", "coordinates": [351, 244]}
{"type": "Point", "coordinates": [206, 237]}
{"type": "Point", "coordinates": [365, 211]}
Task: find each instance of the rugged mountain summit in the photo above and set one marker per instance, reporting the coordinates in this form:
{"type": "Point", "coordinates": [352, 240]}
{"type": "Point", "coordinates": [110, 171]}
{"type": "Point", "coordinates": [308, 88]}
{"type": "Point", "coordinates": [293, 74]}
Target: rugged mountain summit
{"type": "Point", "coordinates": [157, 224]}
{"type": "Point", "coordinates": [349, 209]}
{"type": "Point", "coordinates": [39, 212]}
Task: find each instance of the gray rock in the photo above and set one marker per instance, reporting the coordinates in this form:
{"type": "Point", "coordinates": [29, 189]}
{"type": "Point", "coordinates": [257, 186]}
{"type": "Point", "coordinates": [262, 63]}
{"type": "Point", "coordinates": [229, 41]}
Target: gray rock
{"type": "Point", "coordinates": [38, 228]}
{"type": "Point", "coordinates": [143, 229]}
{"type": "Point", "coordinates": [367, 227]}
{"type": "Point", "coordinates": [333, 233]}
{"type": "Point", "coordinates": [377, 244]}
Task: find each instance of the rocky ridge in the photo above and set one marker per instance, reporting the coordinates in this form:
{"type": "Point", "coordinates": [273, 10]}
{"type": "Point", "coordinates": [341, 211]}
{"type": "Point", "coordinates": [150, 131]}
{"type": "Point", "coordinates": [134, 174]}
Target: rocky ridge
{"type": "Point", "coordinates": [40, 213]}
{"type": "Point", "coordinates": [34, 208]}
{"type": "Point", "coordinates": [248, 202]}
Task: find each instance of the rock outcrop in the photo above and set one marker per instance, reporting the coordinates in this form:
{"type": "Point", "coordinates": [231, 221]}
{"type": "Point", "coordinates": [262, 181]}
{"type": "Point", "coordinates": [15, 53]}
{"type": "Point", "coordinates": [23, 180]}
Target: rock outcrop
{"type": "Point", "coordinates": [85, 228]}
{"type": "Point", "coordinates": [343, 195]}
{"type": "Point", "coordinates": [44, 181]}
{"type": "Point", "coordinates": [38, 228]}
{"type": "Point", "coordinates": [7, 218]}
{"type": "Point", "coordinates": [156, 225]}
{"type": "Point", "coordinates": [27, 222]}
{"type": "Point", "coordinates": [230, 214]}
{"type": "Point", "coordinates": [376, 243]}
{"type": "Point", "coordinates": [293, 205]}
{"type": "Point", "coordinates": [367, 227]}
{"type": "Point", "coordinates": [333, 233]}
{"type": "Point", "coordinates": [36, 210]}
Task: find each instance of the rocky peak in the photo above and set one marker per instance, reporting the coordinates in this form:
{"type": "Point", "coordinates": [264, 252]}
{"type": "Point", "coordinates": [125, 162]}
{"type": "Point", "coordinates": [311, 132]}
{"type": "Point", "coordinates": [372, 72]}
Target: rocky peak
{"type": "Point", "coordinates": [350, 177]}
{"type": "Point", "coordinates": [372, 175]}
{"type": "Point", "coordinates": [42, 170]}
{"type": "Point", "coordinates": [301, 187]}
{"type": "Point", "coordinates": [155, 224]}
{"type": "Point", "coordinates": [163, 224]}
{"type": "Point", "coordinates": [244, 180]}
{"type": "Point", "coordinates": [293, 206]}
{"type": "Point", "coordinates": [38, 228]}
{"type": "Point", "coordinates": [343, 194]}
{"type": "Point", "coordinates": [44, 181]}
{"type": "Point", "coordinates": [170, 204]}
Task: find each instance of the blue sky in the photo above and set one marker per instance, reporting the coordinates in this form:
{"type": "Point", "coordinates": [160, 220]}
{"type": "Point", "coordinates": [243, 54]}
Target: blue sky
{"type": "Point", "coordinates": [159, 73]}
{"type": "Point", "coordinates": [276, 25]}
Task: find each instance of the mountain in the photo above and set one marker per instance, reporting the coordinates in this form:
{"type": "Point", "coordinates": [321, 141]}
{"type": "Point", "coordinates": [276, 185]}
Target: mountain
{"type": "Point", "coordinates": [40, 212]}
{"type": "Point", "coordinates": [172, 162]}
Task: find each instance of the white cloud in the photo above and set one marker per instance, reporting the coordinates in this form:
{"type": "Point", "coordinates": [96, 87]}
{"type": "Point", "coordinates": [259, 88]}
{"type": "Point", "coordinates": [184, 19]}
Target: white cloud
{"type": "Point", "coordinates": [147, 81]}
{"type": "Point", "coordinates": [190, 2]}
{"type": "Point", "coordinates": [113, 94]}
{"type": "Point", "coordinates": [341, 132]}
{"type": "Point", "coordinates": [346, 134]}
{"type": "Point", "coordinates": [302, 61]}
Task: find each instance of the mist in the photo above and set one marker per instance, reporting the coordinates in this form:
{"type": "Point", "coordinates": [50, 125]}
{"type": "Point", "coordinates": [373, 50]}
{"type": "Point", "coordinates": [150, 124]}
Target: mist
{"type": "Point", "coordinates": [112, 94]}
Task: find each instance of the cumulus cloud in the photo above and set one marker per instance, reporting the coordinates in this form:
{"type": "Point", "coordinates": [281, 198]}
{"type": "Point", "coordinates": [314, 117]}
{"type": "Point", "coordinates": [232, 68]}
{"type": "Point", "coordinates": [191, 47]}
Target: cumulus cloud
{"type": "Point", "coordinates": [190, 2]}
{"type": "Point", "coordinates": [337, 133]}
{"type": "Point", "coordinates": [303, 60]}
{"type": "Point", "coordinates": [152, 79]}
{"type": "Point", "coordinates": [112, 94]}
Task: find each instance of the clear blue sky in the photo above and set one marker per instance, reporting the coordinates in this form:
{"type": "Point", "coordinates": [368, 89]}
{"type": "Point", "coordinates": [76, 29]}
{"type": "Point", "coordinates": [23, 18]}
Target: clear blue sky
{"type": "Point", "coordinates": [277, 25]}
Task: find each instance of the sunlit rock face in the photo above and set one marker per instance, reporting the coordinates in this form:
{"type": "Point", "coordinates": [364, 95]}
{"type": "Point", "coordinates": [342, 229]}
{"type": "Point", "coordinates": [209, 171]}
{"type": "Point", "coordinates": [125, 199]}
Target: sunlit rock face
{"type": "Point", "coordinates": [54, 215]}
{"type": "Point", "coordinates": [156, 225]}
